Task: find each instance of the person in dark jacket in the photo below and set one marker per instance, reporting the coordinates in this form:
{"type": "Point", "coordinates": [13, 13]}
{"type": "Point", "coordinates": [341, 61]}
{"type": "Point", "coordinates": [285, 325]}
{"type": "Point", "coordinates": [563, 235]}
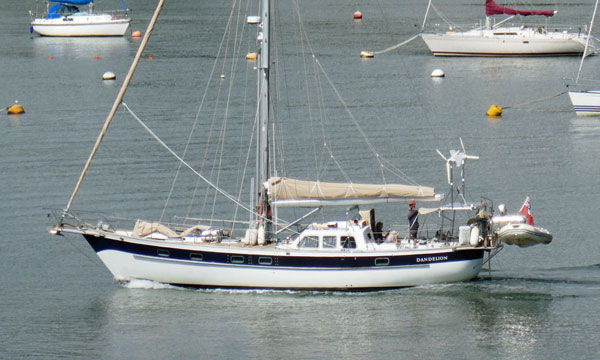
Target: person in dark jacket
{"type": "Point", "coordinates": [413, 221]}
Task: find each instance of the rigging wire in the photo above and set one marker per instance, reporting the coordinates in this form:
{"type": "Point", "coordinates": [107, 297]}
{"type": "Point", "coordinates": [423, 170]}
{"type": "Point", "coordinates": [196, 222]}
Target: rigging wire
{"type": "Point", "coordinates": [192, 131]}
{"type": "Point", "coordinates": [196, 172]}
{"type": "Point", "coordinates": [236, 53]}
{"type": "Point", "coordinates": [185, 163]}
{"type": "Point", "coordinates": [384, 165]}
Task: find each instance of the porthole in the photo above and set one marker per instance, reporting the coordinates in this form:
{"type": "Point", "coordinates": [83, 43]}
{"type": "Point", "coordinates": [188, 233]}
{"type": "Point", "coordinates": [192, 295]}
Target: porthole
{"type": "Point", "coordinates": [196, 256]}
{"type": "Point", "coordinates": [382, 261]}
{"type": "Point", "coordinates": [163, 252]}
{"type": "Point", "coordinates": [237, 259]}
{"type": "Point", "coordinates": [265, 260]}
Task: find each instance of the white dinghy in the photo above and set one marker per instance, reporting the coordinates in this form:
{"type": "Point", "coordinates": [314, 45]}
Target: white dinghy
{"type": "Point", "coordinates": [523, 235]}
{"type": "Point", "coordinates": [519, 229]}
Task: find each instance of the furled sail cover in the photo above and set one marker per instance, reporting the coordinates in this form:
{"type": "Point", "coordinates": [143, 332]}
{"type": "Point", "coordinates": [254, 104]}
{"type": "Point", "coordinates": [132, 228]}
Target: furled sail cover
{"type": "Point", "coordinates": [491, 8]}
{"type": "Point", "coordinates": [284, 189]}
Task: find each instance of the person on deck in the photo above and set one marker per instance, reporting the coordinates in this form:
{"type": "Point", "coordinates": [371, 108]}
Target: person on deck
{"type": "Point", "coordinates": [379, 234]}
{"type": "Point", "coordinates": [413, 221]}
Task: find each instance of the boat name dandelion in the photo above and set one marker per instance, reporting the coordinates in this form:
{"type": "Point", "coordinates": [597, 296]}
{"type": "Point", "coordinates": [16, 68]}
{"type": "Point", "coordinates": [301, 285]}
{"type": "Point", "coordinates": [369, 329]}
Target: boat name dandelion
{"type": "Point", "coordinates": [432, 259]}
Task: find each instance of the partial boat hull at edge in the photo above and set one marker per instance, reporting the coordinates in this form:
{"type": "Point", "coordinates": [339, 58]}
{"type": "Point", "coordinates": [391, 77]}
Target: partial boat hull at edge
{"type": "Point", "coordinates": [586, 103]}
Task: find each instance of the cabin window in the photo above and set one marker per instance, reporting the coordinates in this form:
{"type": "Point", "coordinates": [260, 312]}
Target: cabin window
{"type": "Point", "coordinates": [196, 256]}
{"type": "Point", "coordinates": [309, 242]}
{"type": "Point", "coordinates": [382, 261]}
{"type": "Point", "coordinates": [163, 252]}
{"type": "Point", "coordinates": [237, 259]}
{"type": "Point", "coordinates": [348, 242]}
{"type": "Point", "coordinates": [265, 260]}
{"type": "Point", "coordinates": [329, 242]}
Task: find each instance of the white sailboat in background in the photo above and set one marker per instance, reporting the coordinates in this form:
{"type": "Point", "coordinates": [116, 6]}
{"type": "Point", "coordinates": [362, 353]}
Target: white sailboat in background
{"type": "Point", "coordinates": [585, 102]}
{"type": "Point", "coordinates": [496, 39]}
{"type": "Point", "coordinates": [64, 18]}
{"type": "Point", "coordinates": [276, 252]}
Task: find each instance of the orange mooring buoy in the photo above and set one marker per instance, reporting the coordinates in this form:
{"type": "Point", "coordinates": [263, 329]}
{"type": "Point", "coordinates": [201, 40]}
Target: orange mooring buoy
{"type": "Point", "coordinates": [16, 108]}
{"type": "Point", "coordinates": [357, 15]}
{"type": "Point", "coordinates": [136, 34]}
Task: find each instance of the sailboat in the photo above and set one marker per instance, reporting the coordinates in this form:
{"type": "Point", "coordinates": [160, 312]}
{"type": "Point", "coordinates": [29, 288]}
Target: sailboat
{"type": "Point", "coordinates": [496, 39]}
{"type": "Point", "coordinates": [347, 252]}
{"type": "Point", "coordinates": [64, 18]}
{"type": "Point", "coordinates": [585, 102]}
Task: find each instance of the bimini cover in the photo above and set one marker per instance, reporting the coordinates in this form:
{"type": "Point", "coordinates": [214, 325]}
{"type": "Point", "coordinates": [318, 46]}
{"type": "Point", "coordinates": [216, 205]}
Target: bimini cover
{"type": "Point", "coordinates": [491, 8]}
{"type": "Point", "coordinates": [284, 189]}
{"type": "Point", "coordinates": [73, 2]}
{"type": "Point", "coordinates": [60, 10]}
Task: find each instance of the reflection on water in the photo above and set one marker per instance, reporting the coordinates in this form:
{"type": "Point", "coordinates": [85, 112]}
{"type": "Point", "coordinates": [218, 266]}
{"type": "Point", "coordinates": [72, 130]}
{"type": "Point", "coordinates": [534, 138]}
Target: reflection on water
{"type": "Point", "coordinates": [81, 47]}
{"type": "Point", "coordinates": [491, 315]}
{"type": "Point", "coordinates": [15, 119]}
{"type": "Point", "coordinates": [584, 128]}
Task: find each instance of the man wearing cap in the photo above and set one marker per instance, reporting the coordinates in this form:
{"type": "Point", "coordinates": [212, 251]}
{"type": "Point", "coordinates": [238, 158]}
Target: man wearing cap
{"type": "Point", "coordinates": [413, 222]}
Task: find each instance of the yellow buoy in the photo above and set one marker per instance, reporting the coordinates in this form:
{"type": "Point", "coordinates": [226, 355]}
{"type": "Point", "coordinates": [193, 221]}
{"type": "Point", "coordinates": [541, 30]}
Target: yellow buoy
{"type": "Point", "coordinates": [16, 108]}
{"type": "Point", "coordinates": [494, 110]}
{"type": "Point", "coordinates": [366, 54]}
{"type": "Point", "coordinates": [251, 56]}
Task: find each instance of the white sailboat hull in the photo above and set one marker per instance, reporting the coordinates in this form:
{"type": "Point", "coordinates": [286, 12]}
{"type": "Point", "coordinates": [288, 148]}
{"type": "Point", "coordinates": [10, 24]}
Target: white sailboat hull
{"type": "Point", "coordinates": [512, 41]}
{"type": "Point", "coordinates": [81, 25]}
{"type": "Point", "coordinates": [160, 262]}
{"type": "Point", "coordinates": [586, 103]}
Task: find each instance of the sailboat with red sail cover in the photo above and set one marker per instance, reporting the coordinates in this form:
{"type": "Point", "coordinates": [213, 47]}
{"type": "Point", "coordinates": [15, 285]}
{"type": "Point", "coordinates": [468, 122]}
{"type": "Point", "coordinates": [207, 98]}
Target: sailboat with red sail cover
{"type": "Point", "coordinates": [495, 39]}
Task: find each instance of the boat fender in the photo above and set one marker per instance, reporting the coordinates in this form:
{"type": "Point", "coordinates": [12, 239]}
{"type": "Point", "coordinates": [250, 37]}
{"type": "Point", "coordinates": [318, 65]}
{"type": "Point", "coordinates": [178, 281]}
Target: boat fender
{"type": "Point", "coordinates": [474, 241]}
{"type": "Point", "coordinates": [261, 236]}
{"type": "Point", "coordinates": [463, 234]}
{"type": "Point", "coordinates": [250, 238]}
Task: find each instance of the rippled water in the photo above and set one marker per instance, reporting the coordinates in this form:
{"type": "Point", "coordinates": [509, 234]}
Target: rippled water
{"type": "Point", "coordinates": [58, 301]}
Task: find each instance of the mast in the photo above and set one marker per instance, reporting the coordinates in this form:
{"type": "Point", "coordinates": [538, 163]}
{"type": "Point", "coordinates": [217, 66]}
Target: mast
{"type": "Point", "coordinates": [263, 112]}
{"type": "Point", "coordinates": [587, 43]}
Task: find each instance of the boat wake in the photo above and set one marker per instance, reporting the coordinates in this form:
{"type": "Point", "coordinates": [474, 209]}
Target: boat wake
{"type": "Point", "coordinates": [147, 285]}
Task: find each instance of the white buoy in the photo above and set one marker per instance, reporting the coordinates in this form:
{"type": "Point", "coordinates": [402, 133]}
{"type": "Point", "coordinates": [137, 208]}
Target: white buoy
{"type": "Point", "coordinates": [366, 54]}
{"type": "Point", "coordinates": [438, 73]}
{"type": "Point", "coordinates": [109, 76]}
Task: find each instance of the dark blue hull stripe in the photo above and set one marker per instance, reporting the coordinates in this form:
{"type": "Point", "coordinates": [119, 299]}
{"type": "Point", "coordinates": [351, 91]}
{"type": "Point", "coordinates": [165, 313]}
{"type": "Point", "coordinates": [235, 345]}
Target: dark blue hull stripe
{"type": "Point", "coordinates": [284, 261]}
